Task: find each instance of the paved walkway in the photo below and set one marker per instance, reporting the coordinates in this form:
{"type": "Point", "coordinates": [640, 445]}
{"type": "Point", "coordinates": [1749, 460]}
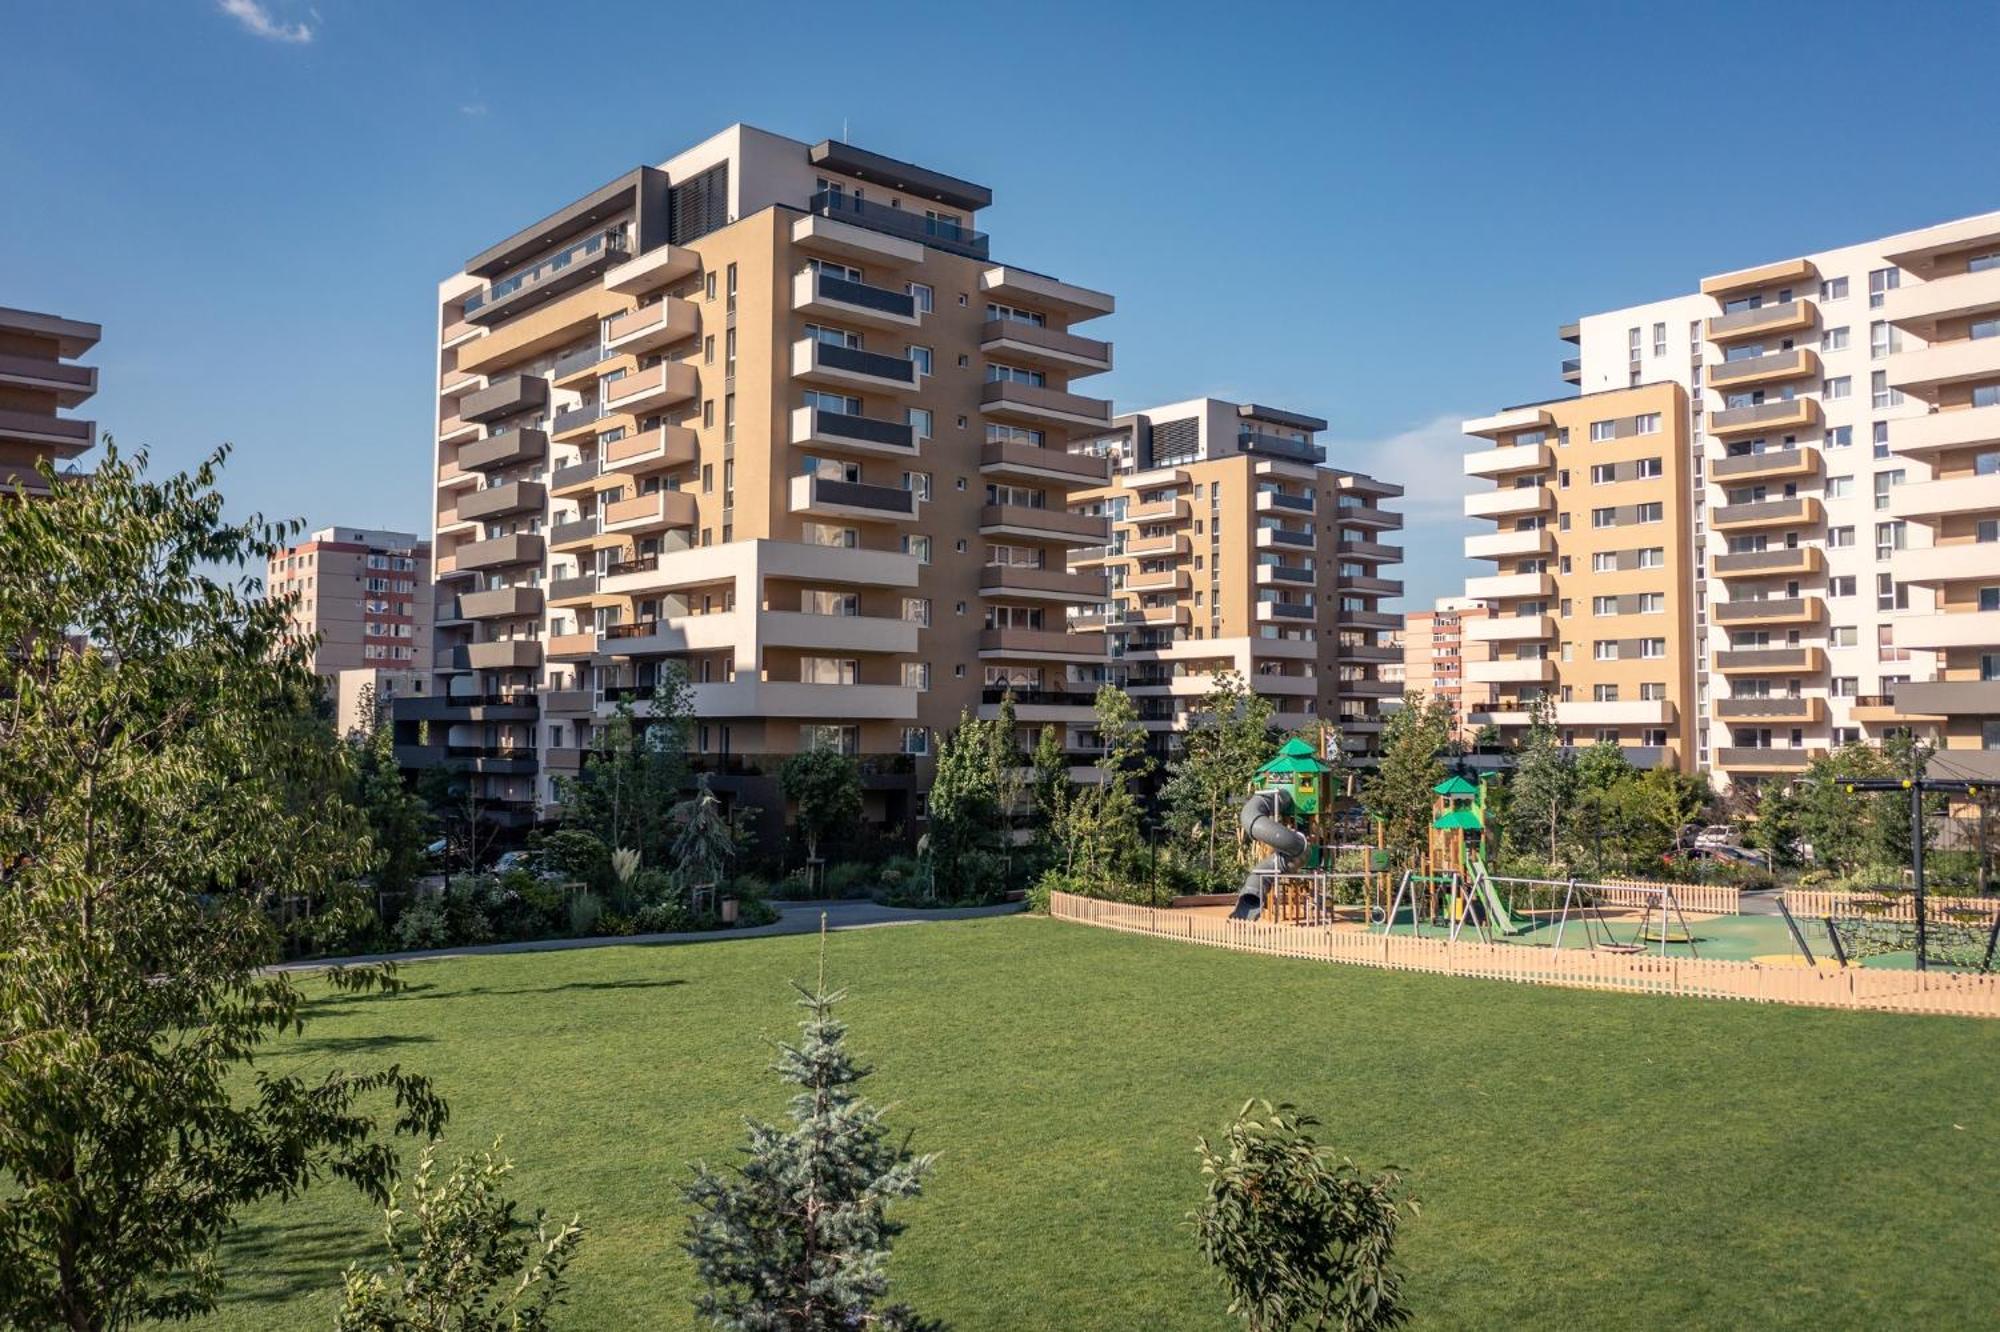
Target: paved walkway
{"type": "Point", "coordinates": [793, 918]}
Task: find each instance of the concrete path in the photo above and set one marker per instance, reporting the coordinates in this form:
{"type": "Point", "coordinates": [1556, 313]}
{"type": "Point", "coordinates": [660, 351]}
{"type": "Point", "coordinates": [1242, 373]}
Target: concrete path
{"type": "Point", "coordinates": [793, 918]}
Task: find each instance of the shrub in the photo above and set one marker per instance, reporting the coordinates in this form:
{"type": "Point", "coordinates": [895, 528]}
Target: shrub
{"type": "Point", "coordinates": [422, 925]}
{"type": "Point", "coordinates": [585, 910]}
{"type": "Point", "coordinates": [748, 886]}
{"type": "Point", "coordinates": [848, 879]}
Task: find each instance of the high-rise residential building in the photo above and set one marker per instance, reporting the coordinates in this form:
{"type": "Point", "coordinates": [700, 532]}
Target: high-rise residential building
{"type": "Point", "coordinates": [1437, 644]}
{"type": "Point", "coordinates": [772, 413]}
{"type": "Point", "coordinates": [1391, 672]}
{"type": "Point", "coordinates": [364, 696]}
{"type": "Point", "coordinates": [1592, 597]}
{"type": "Point", "coordinates": [37, 382]}
{"type": "Point", "coordinates": [1836, 454]}
{"type": "Point", "coordinates": [1234, 547]}
{"type": "Point", "coordinates": [366, 593]}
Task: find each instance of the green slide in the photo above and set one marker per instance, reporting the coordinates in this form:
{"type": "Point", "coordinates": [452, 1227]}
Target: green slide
{"type": "Point", "coordinates": [1482, 886]}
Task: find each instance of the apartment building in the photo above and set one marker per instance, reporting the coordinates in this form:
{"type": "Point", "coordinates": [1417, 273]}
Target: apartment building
{"type": "Point", "coordinates": [1591, 601]}
{"type": "Point", "coordinates": [365, 592]}
{"type": "Point", "coordinates": [770, 412]}
{"type": "Point", "coordinates": [1437, 645]}
{"type": "Point", "coordinates": [37, 383]}
{"type": "Point", "coordinates": [362, 696]}
{"type": "Point", "coordinates": [1234, 547]}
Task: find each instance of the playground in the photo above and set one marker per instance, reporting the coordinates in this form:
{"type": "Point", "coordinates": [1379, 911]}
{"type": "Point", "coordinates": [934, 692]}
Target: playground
{"type": "Point", "coordinates": [1318, 871]}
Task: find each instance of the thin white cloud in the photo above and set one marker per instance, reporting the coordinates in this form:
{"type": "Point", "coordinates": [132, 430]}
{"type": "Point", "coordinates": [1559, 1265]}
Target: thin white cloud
{"type": "Point", "coordinates": [473, 109]}
{"type": "Point", "coordinates": [1426, 460]}
{"type": "Point", "coordinates": [259, 22]}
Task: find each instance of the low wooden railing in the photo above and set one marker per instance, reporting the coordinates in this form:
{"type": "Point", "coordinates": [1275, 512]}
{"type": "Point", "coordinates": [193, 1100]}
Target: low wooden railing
{"type": "Point", "coordinates": [1706, 978]}
{"type": "Point", "coordinates": [1707, 899]}
{"type": "Point", "coordinates": [1817, 902]}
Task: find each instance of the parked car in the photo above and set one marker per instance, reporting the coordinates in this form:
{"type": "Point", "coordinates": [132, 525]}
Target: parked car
{"type": "Point", "coordinates": [531, 861]}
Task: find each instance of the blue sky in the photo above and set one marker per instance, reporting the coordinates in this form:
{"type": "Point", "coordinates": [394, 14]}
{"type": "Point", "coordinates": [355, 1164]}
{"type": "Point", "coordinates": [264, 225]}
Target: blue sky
{"type": "Point", "coordinates": [1376, 213]}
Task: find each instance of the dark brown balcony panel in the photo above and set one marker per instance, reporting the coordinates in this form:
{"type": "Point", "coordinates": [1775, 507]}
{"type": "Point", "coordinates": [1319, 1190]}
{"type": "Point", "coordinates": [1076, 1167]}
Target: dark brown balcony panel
{"type": "Point", "coordinates": [1079, 469]}
{"type": "Point", "coordinates": [1055, 524]}
{"type": "Point", "coordinates": [520, 548]}
{"type": "Point", "coordinates": [500, 603]}
{"type": "Point", "coordinates": [1044, 404]}
{"type": "Point", "coordinates": [1769, 608]}
{"type": "Point", "coordinates": [1950, 698]}
{"type": "Point", "coordinates": [1766, 758]}
{"type": "Point", "coordinates": [1037, 344]}
{"type": "Point", "coordinates": [45, 432]}
{"type": "Point", "coordinates": [1782, 560]}
{"type": "Point", "coordinates": [1030, 584]}
{"type": "Point", "coordinates": [1768, 659]}
{"type": "Point", "coordinates": [503, 450]}
{"type": "Point", "coordinates": [509, 655]}
{"type": "Point", "coordinates": [1798, 509]}
{"type": "Point", "coordinates": [493, 501]}
{"type": "Point", "coordinates": [505, 397]}
{"type": "Point", "coordinates": [1771, 318]}
{"type": "Point", "coordinates": [70, 383]}
{"type": "Point", "coordinates": [1369, 550]}
{"type": "Point", "coordinates": [1779, 707]}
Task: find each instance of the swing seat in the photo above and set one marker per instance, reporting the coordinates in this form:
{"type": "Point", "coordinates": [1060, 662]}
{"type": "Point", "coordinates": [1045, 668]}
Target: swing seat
{"type": "Point", "coordinates": [1633, 948]}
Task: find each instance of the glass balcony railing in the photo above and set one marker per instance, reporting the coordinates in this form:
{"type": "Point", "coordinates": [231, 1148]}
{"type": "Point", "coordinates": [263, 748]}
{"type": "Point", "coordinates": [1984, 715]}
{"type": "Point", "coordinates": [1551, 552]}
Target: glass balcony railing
{"type": "Point", "coordinates": [938, 233]}
{"type": "Point", "coordinates": [612, 242]}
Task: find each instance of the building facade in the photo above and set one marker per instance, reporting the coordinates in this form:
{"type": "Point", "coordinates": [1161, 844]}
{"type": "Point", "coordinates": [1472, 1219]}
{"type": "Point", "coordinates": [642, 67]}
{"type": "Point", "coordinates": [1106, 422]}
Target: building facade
{"type": "Point", "coordinates": [1234, 547]}
{"type": "Point", "coordinates": [366, 593]}
{"type": "Point", "coordinates": [1835, 448]}
{"type": "Point", "coordinates": [1437, 646]}
{"type": "Point", "coordinates": [37, 383]}
{"type": "Point", "coordinates": [363, 696]}
{"type": "Point", "coordinates": [772, 414]}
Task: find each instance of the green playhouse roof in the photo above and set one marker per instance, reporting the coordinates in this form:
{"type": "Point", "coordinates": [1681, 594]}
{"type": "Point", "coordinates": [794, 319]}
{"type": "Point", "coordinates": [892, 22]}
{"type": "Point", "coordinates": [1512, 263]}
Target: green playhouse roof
{"type": "Point", "coordinates": [1295, 755]}
{"type": "Point", "coordinates": [1455, 786]}
{"type": "Point", "coordinates": [1458, 818]}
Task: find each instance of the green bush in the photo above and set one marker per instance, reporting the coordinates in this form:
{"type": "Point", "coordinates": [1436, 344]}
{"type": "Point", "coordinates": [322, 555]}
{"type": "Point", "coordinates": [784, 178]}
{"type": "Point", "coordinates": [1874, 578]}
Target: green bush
{"type": "Point", "coordinates": [748, 886]}
{"type": "Point", "coordinates": [585, 910]}
{"type": "Point", "coordinates": [423, 925]}
{"type": "Point", "coordinates": [848, 879]}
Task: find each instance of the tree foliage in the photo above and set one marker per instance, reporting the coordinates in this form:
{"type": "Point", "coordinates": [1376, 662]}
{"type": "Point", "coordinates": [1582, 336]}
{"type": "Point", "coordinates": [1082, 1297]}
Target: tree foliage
{"type": "Point", "coordinates": [399, 821]}
{"type": "Point", "coordinates": [1544, 784]}
{"type": "Point", "coordinates": [1298, 1239]}
{"type": "Point", "coordinates": [967, 816]}
{"type": "Point", "coordinates": [704, 843]}
{"type": "Point", "coordinates": [1228, 737]}
{"type": "Point", "coordinates": [1398, 794]}
{"type": "Point", "coordinates": [167, 783]}
{"type": "Point", "coordinates": [797, 1237]}
{"type": "Point", "coordinates": [627, 790]}
{"type": "Point", "coordinates": [824, 787]}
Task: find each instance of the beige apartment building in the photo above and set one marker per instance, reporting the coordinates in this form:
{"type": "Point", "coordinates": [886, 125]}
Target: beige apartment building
{"type": "Point", "coordinates": [1437, 646]}
{"type": "Point", "coordinates": [37, 383]}
{"type": "Point", "coordinates": [1234, 547]}
{"type": "Point", "coordinates": [1591, 605]}
{"type": "Point", "coordinates": [366, 593]}
{"type": "Point", "coordinates": [772, 413]}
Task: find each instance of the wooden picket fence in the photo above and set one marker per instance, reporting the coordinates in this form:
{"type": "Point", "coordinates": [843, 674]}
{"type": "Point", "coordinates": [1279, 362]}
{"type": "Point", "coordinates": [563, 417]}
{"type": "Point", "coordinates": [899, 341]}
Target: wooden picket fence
{"type": "Point", "coordinates": [1855, 988]}
{"type": "Point", "coordinates": [1704, 899]}
{"type": "Point", "coordinates": [1815, 902]}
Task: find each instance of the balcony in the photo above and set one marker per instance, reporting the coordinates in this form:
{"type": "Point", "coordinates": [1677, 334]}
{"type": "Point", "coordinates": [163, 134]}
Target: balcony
{"type": "Point", "coordinates": [902, 223]}
{"type": "Point", "coordinates": [840, 432]}
{"type": "Point", "coordinates": [1771, 661]}
{"type": "Point", "coordinates": [823, 295]}
{"type": "Point", "coordinates": [564, 271]}
{"type": "Point", "coordinates": [577, 478]}
{"type": "Point", "coordinates": [1798, 511]}
{"type": "Point", "coordinates": [1041, 705]}
{"type": "Point", "coordinates": [823, 497]}
{"type": "Point", "coordinates": [1155, 511]}
{"type": "Point", "coordinates": [1160, 616]}
{"type": "Point", "coordinates": [1786, 272]}
{"type": "Point", "coordinates": [1278, 502]}
{"type": "Point", "coordinates": [1781, 562]}
{"type": "Point", "coordinates": [1510, 629]}
{"type": "Point", "coordinates": [71, 384]}
{"type": "Point", "coordinates": [1275, 538]}
{"type": "Point", "coordinates": [1783, 414]}
{"type": "Point", "coordinates": [511, 654]}
{"type": "Point", "coordinates": [1776, 708]}
{"type": "Point", "coordinates": [1279, 611]}
{"type": "Point", "coordinates": [1019, 520]}
{"type": "Point", "coordinates": [504, 450]}
{"type": "Point", "coordinates": [1770, 368]}
{"type": "Point", "coordinates": [1950, 698]}
{"type": "Point", "coordinates": [657, 450]}
{"type": "Point", "coordinates": [1020, 583]}
{"type": "Point", "coordinates": [1783, 317]}
{"type": "Point", "coordinates": [574, 590]}
{"type": "Point", "coordinates": [1031, 462]}
{"type": "Point", "coordinates": [1932, 372]}
{"type": "Point", "coordinates": [55, 434]}
{"type": "Point", "coordinates": [1367, 585]}
{"type": "Point", "coordinates": [1368, 687]}
{"type": "Point", "coordinates": [1769, 611]}
{"type": "Point", "coordinates": [508, 396]}
{"type": "Point", "coordinates": [645, 391]}
{"type": "Point", "coordinates": [1764, 758]}
{"type": "Point", "coordinates": [1168, 580]}
{"type": "Point", "coordinates": [658, 267]}
{"type": "Point", "coordinates": [1572, 370]}
{"type": "Point", "coordinates": [1925, 436]}
{"type": "Point", "coordinates": [1771, 465]}
{"type": "Point", "coordinates": [1516, 501]}
{"type": "Point", "coordinates": [1936, 565]}
{"type": "Point", "coordinates": [506, 603]}
{"type": "Point", "coordinates": [1157, 547]}
{"type": "Point", "coordinates": [1618, 712]}
{"type": "Point", "coordinates": [654, 512]}
{"type": "Point", "coordinates": [1507, 545]}
{"type": "Point", "coordinates": [1538, 670]}
{"type": "Point", "coordinates": [1268, 575]}
{"type": "Point", "coordinates": [1509, 460]}
{"type": "Point", "coordinates": [496, 501]}
{"type": "Point", "coordinates": [1501, 587]}
{"type": "Point", "coordinates": [578, 369]}
{"type": "Point", "coordinates": [1006, 399]}
{"type": "Point", "coordinates": [576, 424]}
{"type": "Point", "coordinates": [569, 702]}
{"type": "Point", "coordinates": [1947, 630]}
{"type": "Point", "coordinates": [573, 646]}
{"type": "Point", "coordinates": [1369, 550]}
{"type": "Point", "coordinates": [1366, 515]}
{"type": "Point", "coordinates": [521, 548]}
{"type": "Point", "coordinates": [1360, 619]}
{"type": "Point", "coordinates": [651, 327]}
{"type": "Point", "coordinates": [1040, 645]}
{"type": "Point", "coordinates": [835, 633]}
{"type": "Point", "coordinates": [1919, 307]}
{"type": "Point", "coordinates": [1928, 501]}
{"type": "Point", "coordinates": [1019, 342]}
{"type": "Point", "coordinates": [1283, 447]}
{"type": "Point", "coordinates": [828, 363]}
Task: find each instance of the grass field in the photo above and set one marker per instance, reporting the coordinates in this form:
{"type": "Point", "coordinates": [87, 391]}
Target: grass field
{"type": "Point", "coordinates": [1583, 1160]}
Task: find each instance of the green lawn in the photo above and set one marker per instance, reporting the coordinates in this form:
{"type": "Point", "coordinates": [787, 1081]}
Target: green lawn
{"type": "Point", "coordinates": [1583, 1160]}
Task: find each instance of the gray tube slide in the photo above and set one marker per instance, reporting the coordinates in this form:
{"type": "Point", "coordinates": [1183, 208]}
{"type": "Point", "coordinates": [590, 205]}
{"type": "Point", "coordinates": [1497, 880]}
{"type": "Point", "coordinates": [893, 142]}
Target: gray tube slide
{"type": "Point", "coordinates": [1261, 815]}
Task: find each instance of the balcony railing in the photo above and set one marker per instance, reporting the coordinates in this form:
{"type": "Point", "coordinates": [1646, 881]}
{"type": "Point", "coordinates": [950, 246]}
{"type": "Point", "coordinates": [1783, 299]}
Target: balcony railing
{"type": "Point", "coordinates": [847, 292]}
{"type": "Point", "coordinates": [1280, 446]}
{"type": "Point", "coordinates": [561, 270]}
{"type": "Point", "coordinates": [951, 237]}
{"type": "Point", "coordinates": [856, 361]}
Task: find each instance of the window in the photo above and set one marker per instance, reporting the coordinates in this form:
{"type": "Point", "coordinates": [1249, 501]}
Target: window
{"type": "Point", "coordinates": [1880, 444]}
{"type": "Point", "coordinates": [1888, 539]}
{"type": "Point", "coordinates": [1646, 468]}
{"type": "Point", "coordinates": [1839, 538]}
{"type": "Point", "coordinates": [1882, 280]}
{"type": "Point", "coordinates": [1603, 430]}
{"type": "Point", "coordinates": [1646, 424]}
{"type": "Point", "coordinates": [922, 358]}
{"type": "Point", "coordinates": [916, 740]}
{"type": "Point", "coordinates": [1844, 686]}
{"type": "Point", "coordinates": [918, 545]}
{"type": "Point", "coordinates": [1890, 594]}
{"type": "Point", "coordinates": [1013, 434]}
{"type": "Point", "coordinates": [1844, 635]}
{"type": "Point", "coordinates": [918, 484]}
{"type": "Point", "coordinates": [829, 670]}
{"type": "Point", "coordinates": [921, 294]}
{"type": "Point", "coordinates": [1983, 328]}
{"type": "Point", "coordinates": [1980, 263]}
{"type": "Point", "coordinates": [1603, 473]}
{"type": "Point", "coordinates": [1653, 691]}
{"type": "Point", "coordinates": [917, 610]}
{"type": "Point", "coordinates": [1986, 531]}
{"type": "Point", "coordinates": [1604, 517]}
{"type": "Point", "coordinates": [996, 373]}
{"type": "Point", "coordinates": [1604, 561]}
{"type": "Point", "coordinates": [920, 421]}
{"type": "Point", "coordinates": [995, 310]}
{"type": "Point", "coordinates": [1604, 605]}
{"type": "Point", "coordinates": [1835, 389]}
{"type": "Point", "coordinates": [1833, 289]}
{"type": "Point", "coordinates": [1989, 598]}
{"type": "Point", "coordinates": [1652, 648]}
{"type": "Point", "coordinates": [1604, 693]}
{"type": "Point", "coordinates": [1604, 649]}
{"type": "Point", "coordinates": [1839, 487]}
{"type": "Point", "coordinates": [1652, 603]}
{"type": "Point", "coordinates": [1834, 339]}
{"type": "Point", "coordinates": [1659, 339]}
{"type": "Point", "coordinates": [1841, 585]}
{"type": "Point", "coordinates": [1884, 483]}
{"type": "Point", "coordinates": [1879, 393]}
{"type": "Point", "coordinates": [1650, 512]}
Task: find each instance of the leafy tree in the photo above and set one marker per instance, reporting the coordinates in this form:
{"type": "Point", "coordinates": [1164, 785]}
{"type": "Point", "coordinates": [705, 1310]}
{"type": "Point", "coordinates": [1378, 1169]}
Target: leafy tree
{"type": "Point", "coordinates": [1398, 793]}
{"type": "Point", "coordinates": [1098, 825]}
{"type": "Point", "coordinates": [1228, 737]}
{"type": "Point", "coordinates": [1298, 1239]}
{"type": "Point", "coordinates": [451, 794]}
{"type": "Point", "coordinates": [1544, 782]}
{"type": "Point", "coordinates": [1050, 782]}
{"type": "Point", "coordinates": [965, 810]}
{"type": "Point", "coordinates": [458, 1260]}
{"type": "Point", "coordinates": [797, 1236]}
{"type": "Point", "coordinates": [824, 786]}
{"type": "Point", "coordinates": [166, 781]}
{"type": "Point", "coordinates": [399, 821]}
{"type": "Point", "coordinates": [628, 788]}
{"type": "Point", "coordinates": [704, 843]}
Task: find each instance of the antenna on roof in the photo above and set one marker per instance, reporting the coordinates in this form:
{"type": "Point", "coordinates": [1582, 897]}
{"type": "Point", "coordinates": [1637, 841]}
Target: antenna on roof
{"type": "Point", "coordinates": [843, 129]}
